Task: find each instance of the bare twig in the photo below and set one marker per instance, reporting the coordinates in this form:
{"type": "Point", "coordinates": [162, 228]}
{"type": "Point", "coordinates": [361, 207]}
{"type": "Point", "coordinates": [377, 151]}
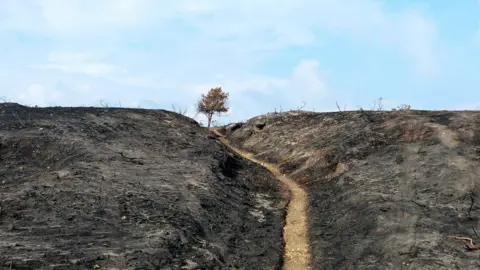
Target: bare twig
{"type": "Point", "coordinates": [103, 104]}
{"type": "Point", "coordinates": [18, 118]}
{"type": "Point", "coordinates": [380, 104]}
{"type": "Point", "coordinates": [472, 203]}
{"type": "Point", "coordinates": [60, 163]}
{"type": "Point", "coordinates": [403, 107]}
{"type": "Point", "coordinates": [179, 110]}
{"type": "Point", "coordinates": [417, 203]}
{"type": "Point", "coordinates": [340, 109]}
{"type": "Point", "coordinates": [301, 107]}
{"type": "Point", "coordinates": [366, 115]}
{"type": "Point", "coordinates": [101, 191]}
{"type": "Point", "coordinates": [377, 104]}
{"type": "Point", "coordinates": [131, 159]}
{"type": "Point", "coordinates": [215, 123]}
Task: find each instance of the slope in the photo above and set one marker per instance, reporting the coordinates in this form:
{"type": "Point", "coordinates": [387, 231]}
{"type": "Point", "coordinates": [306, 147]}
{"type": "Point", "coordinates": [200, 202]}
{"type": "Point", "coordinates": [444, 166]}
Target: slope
{"type": "Point", "coordinates": [385, 189]}
{"type": "Point", "coordinates": [112, 188]}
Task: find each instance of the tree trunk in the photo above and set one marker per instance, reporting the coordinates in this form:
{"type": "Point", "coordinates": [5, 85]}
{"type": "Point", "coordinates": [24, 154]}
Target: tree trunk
{"type": "Point", "coordinates": [209, 117]}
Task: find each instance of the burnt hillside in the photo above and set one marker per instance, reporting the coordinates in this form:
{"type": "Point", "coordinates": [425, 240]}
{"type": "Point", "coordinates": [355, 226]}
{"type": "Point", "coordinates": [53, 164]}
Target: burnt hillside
{"type": "Point", "coordinates": [113, 188]}
{"type": "Point", "coordinates": [385, 188]}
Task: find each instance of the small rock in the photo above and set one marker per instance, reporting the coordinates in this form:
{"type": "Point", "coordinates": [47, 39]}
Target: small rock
{"type": "Point", "coordinates": [232, 127]}
{"type": "Point", "coordinates": [260, 124]}
{"type": "Point", "coordinates": [62, 173]}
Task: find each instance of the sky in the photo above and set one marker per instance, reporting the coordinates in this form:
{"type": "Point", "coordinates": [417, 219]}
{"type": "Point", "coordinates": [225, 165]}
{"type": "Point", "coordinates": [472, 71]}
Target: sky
{"type": "Point", "coordinates": [268, 55]}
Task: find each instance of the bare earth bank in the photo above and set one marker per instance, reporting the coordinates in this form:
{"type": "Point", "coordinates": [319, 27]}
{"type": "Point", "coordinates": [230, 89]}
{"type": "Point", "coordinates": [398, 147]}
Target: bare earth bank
{"type": "Point", "coordinates": [385, 188]}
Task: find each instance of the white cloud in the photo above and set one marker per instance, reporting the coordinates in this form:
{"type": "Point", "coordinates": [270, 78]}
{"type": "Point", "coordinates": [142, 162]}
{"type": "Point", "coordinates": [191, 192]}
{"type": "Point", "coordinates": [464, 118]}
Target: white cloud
{"type": "Point", "coordinates": [147, 81]}
{"type": "Point", "coordinates": [75, 17]}
{"type": "Point", "coordinates": [36, 94]}
{"type": "Point", "coordinates": [221, 43]}
{"type": "Point", "coordinates": [306, 79]}
{"type": "Point", "coordinates": [78, 63]}
{"type": "Point", "coordinates": [418, 38]}
{"type": "Point", "coordinates": [249, 95]}
{"type": "Point", "coordinates": [243, 26]}
{"type": "Point", "coordinates": [307, 76]}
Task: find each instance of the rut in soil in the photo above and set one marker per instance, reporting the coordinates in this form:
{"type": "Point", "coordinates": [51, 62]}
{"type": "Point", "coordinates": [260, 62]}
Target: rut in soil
{"type": "Point", "coordinates": [297, 250]}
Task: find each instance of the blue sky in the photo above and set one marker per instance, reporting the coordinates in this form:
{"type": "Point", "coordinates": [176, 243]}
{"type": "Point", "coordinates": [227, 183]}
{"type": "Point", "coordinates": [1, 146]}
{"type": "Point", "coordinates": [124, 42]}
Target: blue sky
{"type": "Point", "coordinates": [267, 54]}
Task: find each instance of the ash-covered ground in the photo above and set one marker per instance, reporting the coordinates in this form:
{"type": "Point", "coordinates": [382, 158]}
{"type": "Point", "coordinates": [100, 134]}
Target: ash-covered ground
{"type": "Point", "coordinates": [115, 188]}
{"type": "Point", "coordinates": [385, 188]}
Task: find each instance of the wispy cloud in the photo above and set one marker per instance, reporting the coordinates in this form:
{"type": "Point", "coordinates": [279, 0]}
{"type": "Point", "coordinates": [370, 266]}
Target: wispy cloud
{"type": "Point", "coordinates": [243, 27]}
{"type": "Point", "coordinates": [78, 63]}
{"type": "Point", "coordinates": [419, 37]}
{"type": "Point", "coordinates": [266, 54]}
{"type": "Point", "coordinates": [37, 95]}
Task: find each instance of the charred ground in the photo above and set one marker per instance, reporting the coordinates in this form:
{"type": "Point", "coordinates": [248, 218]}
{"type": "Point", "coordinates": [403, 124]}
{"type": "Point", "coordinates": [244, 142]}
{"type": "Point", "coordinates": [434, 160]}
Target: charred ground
{"type": "Point", "coordinates": [130, 189]}
{"type": "Point", "coordinates": [385, 188]}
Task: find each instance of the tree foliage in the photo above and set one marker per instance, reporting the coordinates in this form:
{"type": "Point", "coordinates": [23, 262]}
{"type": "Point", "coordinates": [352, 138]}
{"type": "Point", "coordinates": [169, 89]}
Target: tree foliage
{"type": "Point", "coordinates": [214, 102]}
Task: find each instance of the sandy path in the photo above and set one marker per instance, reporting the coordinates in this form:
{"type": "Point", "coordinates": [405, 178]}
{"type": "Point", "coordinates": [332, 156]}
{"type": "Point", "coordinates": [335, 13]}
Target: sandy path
{"type": "Point", "coordinates": [297, 251]}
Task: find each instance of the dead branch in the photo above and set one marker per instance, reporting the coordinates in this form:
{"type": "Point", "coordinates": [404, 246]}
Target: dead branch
{"type": "Point", "coordinates": [366, 115]}
{"type": "Point", "coordinates": [377, 105]}
{"type": "Point", "coordinates": [301, 107]}
{"type": "Point", "coordinates": [417, 203]}
{"type": "Point", "coordinates": [469, 244]}
{"type": "Point", "coordinates": [340, 109]}
{"type": "Point", "coordinates": [472, 203]}
{"type": "Point", "coordinates": [179, 110]}
{"type": "Point", "coordinates": [18, 118]}
{"type": "Point", "coordinates": [131, 159]}
{"type": "Point", "coordinates": [105, 105]}
{"type": "Point", "coordinates": [338, 106]}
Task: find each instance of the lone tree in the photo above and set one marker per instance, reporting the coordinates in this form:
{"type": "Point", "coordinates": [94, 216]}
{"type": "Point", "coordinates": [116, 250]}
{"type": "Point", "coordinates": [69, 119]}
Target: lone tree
{"type": "Point", "coordinates": [215, 102]}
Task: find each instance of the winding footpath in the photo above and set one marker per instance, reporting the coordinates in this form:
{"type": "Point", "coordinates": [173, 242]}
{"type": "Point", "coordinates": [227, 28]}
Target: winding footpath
{"type": "Point", "coordinates": [297, 251]}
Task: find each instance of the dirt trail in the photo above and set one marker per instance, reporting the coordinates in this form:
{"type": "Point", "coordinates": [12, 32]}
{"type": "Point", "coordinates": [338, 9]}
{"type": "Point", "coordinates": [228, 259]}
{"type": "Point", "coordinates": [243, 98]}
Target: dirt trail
{"type": "Point", "coordinates": [297, 251]}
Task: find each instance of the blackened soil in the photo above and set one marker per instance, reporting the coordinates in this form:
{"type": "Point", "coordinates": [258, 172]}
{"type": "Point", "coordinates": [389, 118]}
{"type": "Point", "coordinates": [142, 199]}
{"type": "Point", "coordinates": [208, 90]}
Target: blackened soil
{"type": "Point", "coordinates": [385, 188]}
{"type": "Point", "coordinates": [113, 188]}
